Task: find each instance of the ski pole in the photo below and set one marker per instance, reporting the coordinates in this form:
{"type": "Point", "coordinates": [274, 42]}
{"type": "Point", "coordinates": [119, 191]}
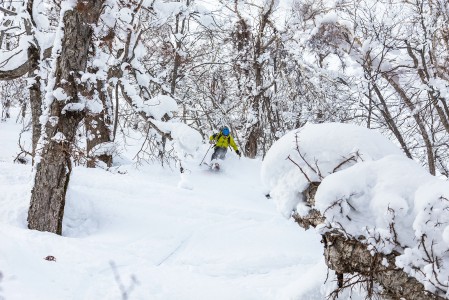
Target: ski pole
{"type": "Point", "coordinates": [206, 154]}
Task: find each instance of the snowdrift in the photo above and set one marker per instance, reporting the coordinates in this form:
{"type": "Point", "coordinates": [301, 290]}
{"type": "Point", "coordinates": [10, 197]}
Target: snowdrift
{"type": "Point", "coordinates": [367, 190]}
{"type": "Point", "coordinates": [134, 232]}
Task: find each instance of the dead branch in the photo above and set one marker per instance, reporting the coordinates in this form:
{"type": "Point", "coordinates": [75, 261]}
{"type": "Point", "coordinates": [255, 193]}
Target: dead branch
{"type": "Point", "coordinates": [302, 171]}
{"type": "Point", "coordinates": [302, 156]}
{"type": "Point", "coordinates": [351, 158]}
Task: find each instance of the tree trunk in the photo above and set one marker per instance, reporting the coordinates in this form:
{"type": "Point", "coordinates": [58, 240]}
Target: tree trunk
{"type": "Point", "coordinates": [385, 110]}
{"type": "Point", "coordinates": [53, 166]}
{"type": "Point", "coordinates": [35, 99]}
{"type": "Point", "coordinates": [252, 141]}
{"type": "Point", "coordinates": [351, 256]}
{"type": "Point", "coordinates": [99, 130]}
{"type": "Point", "coordinates": [419, 121]}
{"type": "Point", "coordinates": [259, 101]}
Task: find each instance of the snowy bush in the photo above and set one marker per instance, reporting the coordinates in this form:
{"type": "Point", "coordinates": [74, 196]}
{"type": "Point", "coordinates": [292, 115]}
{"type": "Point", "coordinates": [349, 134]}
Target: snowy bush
{"type": "Point", "coordinates": [313, 152]}
{"type": "Point", "coordinates": [369, 192]}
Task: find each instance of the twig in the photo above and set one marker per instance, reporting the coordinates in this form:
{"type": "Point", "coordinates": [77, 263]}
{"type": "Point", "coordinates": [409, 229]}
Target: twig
{"type": "Point", "coordinates": [125, 291]}
{"type": "Point", "coordinates": [302, 156]}
{"type": "Point", "coordinates": [302, 171]}
{"type": "Point", "coordinates": [343, 162]}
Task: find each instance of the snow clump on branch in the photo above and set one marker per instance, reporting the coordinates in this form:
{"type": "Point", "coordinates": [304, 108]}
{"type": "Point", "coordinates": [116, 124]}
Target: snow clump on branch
{"type": "Point", "coordinates": [368, 191]}
{"type": "Point", "coordinates": [314, 151]}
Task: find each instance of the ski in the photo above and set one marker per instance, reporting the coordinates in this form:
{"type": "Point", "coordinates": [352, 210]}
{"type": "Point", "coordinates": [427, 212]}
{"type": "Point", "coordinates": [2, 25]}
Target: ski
{"type": "Point", "coordinates": [213, 166]}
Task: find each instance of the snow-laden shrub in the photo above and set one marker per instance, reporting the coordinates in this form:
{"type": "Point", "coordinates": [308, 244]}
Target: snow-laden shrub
{"type": "Point", "coordinates": [313, 152]}
{"type": "Point", "coordinates": [369, 192]}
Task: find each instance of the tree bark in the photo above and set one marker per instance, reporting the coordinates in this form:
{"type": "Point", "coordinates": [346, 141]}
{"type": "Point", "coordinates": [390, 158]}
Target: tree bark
{"type": "Point", "coordinates": [99, 129]}
{"type": "Point", "coordinates": [53, 168]}
{"type": "Point", "coordinates": [352, 256]}
{"type": "Point", "coordinates": [347, 255]}
{"type": "Point", "coordinates": [259, 101]}
{"type": "Point", "coordinates": [35, 99]}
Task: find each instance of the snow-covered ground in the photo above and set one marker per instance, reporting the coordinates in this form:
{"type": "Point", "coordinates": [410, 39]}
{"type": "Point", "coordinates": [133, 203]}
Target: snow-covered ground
{"type": "Point", "coordinates": [202, 236]}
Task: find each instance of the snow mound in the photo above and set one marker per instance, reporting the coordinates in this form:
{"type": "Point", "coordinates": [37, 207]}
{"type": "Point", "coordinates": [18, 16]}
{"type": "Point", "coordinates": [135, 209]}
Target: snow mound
{"type": "Point", "coordinates": [160, 106]}
{"type": "Point", "coordinates": [368, 191]}
{"type": "Point", "coordinates": [370, 196]}
{"type": "Point", "coordinates": [314, 151]}
{"type": "Point", "coordinates": [393, 204]}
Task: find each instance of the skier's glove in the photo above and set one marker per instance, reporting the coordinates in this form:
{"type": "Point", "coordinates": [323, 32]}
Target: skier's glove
{"type": "Point", "coordinates": [212, 142]}
{"type": "Point", "coordinates": [238, 152]}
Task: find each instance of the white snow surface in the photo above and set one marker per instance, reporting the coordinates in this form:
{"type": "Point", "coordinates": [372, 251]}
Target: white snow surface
{"type": "Point", "coordinates": [60, 94]}
{"type": "Point", "coordinates": [204, 235]}
{"type": "Point", "coordinates": [160, 105]}
{"type": "Point", "coordinates": [10, 60]}
{"type": "Point", "coordinates": [381, 197]}
{"type": "Point", "coordinates": [323, 148]}
{"type": "Point", "coordinates": [186, 140]}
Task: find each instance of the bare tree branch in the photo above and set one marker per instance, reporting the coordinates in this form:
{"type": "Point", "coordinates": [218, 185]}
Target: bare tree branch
{"type": "Point", "coordinates": [17, 72]}
{"type": "Point", "coordinates": [8, 12]}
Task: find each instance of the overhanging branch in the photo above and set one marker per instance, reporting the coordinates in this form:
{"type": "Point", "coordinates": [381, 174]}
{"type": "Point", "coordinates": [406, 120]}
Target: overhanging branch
{"type": "Point", "coordinates": [143, 115]}
{"type": "Point", "coordinates": [8, 12]}
{"type": "Point", "coordinates": [17, 72]}
{"type": "Point", "coordinates": [27, 67]}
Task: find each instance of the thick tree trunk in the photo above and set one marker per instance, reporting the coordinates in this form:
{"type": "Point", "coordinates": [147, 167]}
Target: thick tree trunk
{"type": "Point", "coordinates": [53, 167]}
{"type": "Point", "coordinates": [259, 100]}
{"type": "Point", "coordinates": [351, 256]}
{"type": "Point", "coordinates": [51, 180]}
{"type": "Point", "coordinates": [252, 141]}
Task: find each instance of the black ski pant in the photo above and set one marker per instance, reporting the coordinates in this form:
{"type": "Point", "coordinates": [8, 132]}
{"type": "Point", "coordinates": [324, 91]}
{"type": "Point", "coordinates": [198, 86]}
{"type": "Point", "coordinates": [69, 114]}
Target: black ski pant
{"type": "Point", "coordinates": [219, 152]}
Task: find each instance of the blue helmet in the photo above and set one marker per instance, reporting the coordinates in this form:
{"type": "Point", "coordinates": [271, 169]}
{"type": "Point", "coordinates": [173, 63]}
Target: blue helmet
{"type": "Point", "coordinates": [225, 131]}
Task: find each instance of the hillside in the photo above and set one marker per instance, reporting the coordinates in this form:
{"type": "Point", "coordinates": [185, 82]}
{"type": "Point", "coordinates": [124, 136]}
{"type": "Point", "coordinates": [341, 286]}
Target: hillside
{"type": "Point", "coordinates": [206, 235]}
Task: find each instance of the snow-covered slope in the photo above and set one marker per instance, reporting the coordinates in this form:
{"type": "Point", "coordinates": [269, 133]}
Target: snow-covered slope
{"type": "Point", "coordinates": [202, 236]}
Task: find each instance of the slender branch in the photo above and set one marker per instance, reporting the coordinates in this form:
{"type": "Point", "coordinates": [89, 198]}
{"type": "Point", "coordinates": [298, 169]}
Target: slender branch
{"type": "Point", "coordinates": [302, 156]}
{"type": "Point", "coordinates": [8, 12]}
{"type": "Point", "coordinates": [17, 72]}
{"type": "Point", "coordinates": [302, 171]}
{"type": "Point", "coordinates": [343, 162]}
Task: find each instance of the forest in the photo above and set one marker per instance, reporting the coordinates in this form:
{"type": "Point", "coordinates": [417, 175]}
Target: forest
{"type": "Point", "coordinates": [90, 75]}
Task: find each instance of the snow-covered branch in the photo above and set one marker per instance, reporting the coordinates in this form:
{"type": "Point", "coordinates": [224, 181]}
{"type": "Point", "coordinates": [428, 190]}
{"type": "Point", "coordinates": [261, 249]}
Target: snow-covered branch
{"type": "Point", "coordinates": [380, 213]}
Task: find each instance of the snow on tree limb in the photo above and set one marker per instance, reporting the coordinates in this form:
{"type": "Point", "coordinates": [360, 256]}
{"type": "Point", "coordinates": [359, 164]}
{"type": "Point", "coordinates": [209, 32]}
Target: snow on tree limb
{"type": "Point", "coordinates": [134, 100]}
{"type": "Point", "coordinates": [319, 149]}
{"type": "Point", "coordinates": [17, 72]}
{"type": "Point", "coordinates": [381, 214]}
{"type": "Point", "coordinates": [7, 11]}
{"type": "Point", "coordinates": [14, 63]}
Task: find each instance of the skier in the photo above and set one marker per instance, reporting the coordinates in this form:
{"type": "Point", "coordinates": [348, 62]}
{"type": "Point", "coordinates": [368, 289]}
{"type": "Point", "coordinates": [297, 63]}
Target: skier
{"type": "Point", "coordinates": [222, 140]}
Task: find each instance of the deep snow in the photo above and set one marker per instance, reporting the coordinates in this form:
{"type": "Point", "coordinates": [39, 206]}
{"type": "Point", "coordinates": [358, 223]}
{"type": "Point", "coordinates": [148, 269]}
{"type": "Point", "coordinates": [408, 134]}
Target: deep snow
{"type": "Point", "coordinates": [369, 191]}
{"type": "Point", "coordinates": [201, 236]}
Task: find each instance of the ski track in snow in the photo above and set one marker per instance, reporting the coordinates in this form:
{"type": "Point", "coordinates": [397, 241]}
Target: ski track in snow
{"type": "Point", "coordinates": [203, 235]}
